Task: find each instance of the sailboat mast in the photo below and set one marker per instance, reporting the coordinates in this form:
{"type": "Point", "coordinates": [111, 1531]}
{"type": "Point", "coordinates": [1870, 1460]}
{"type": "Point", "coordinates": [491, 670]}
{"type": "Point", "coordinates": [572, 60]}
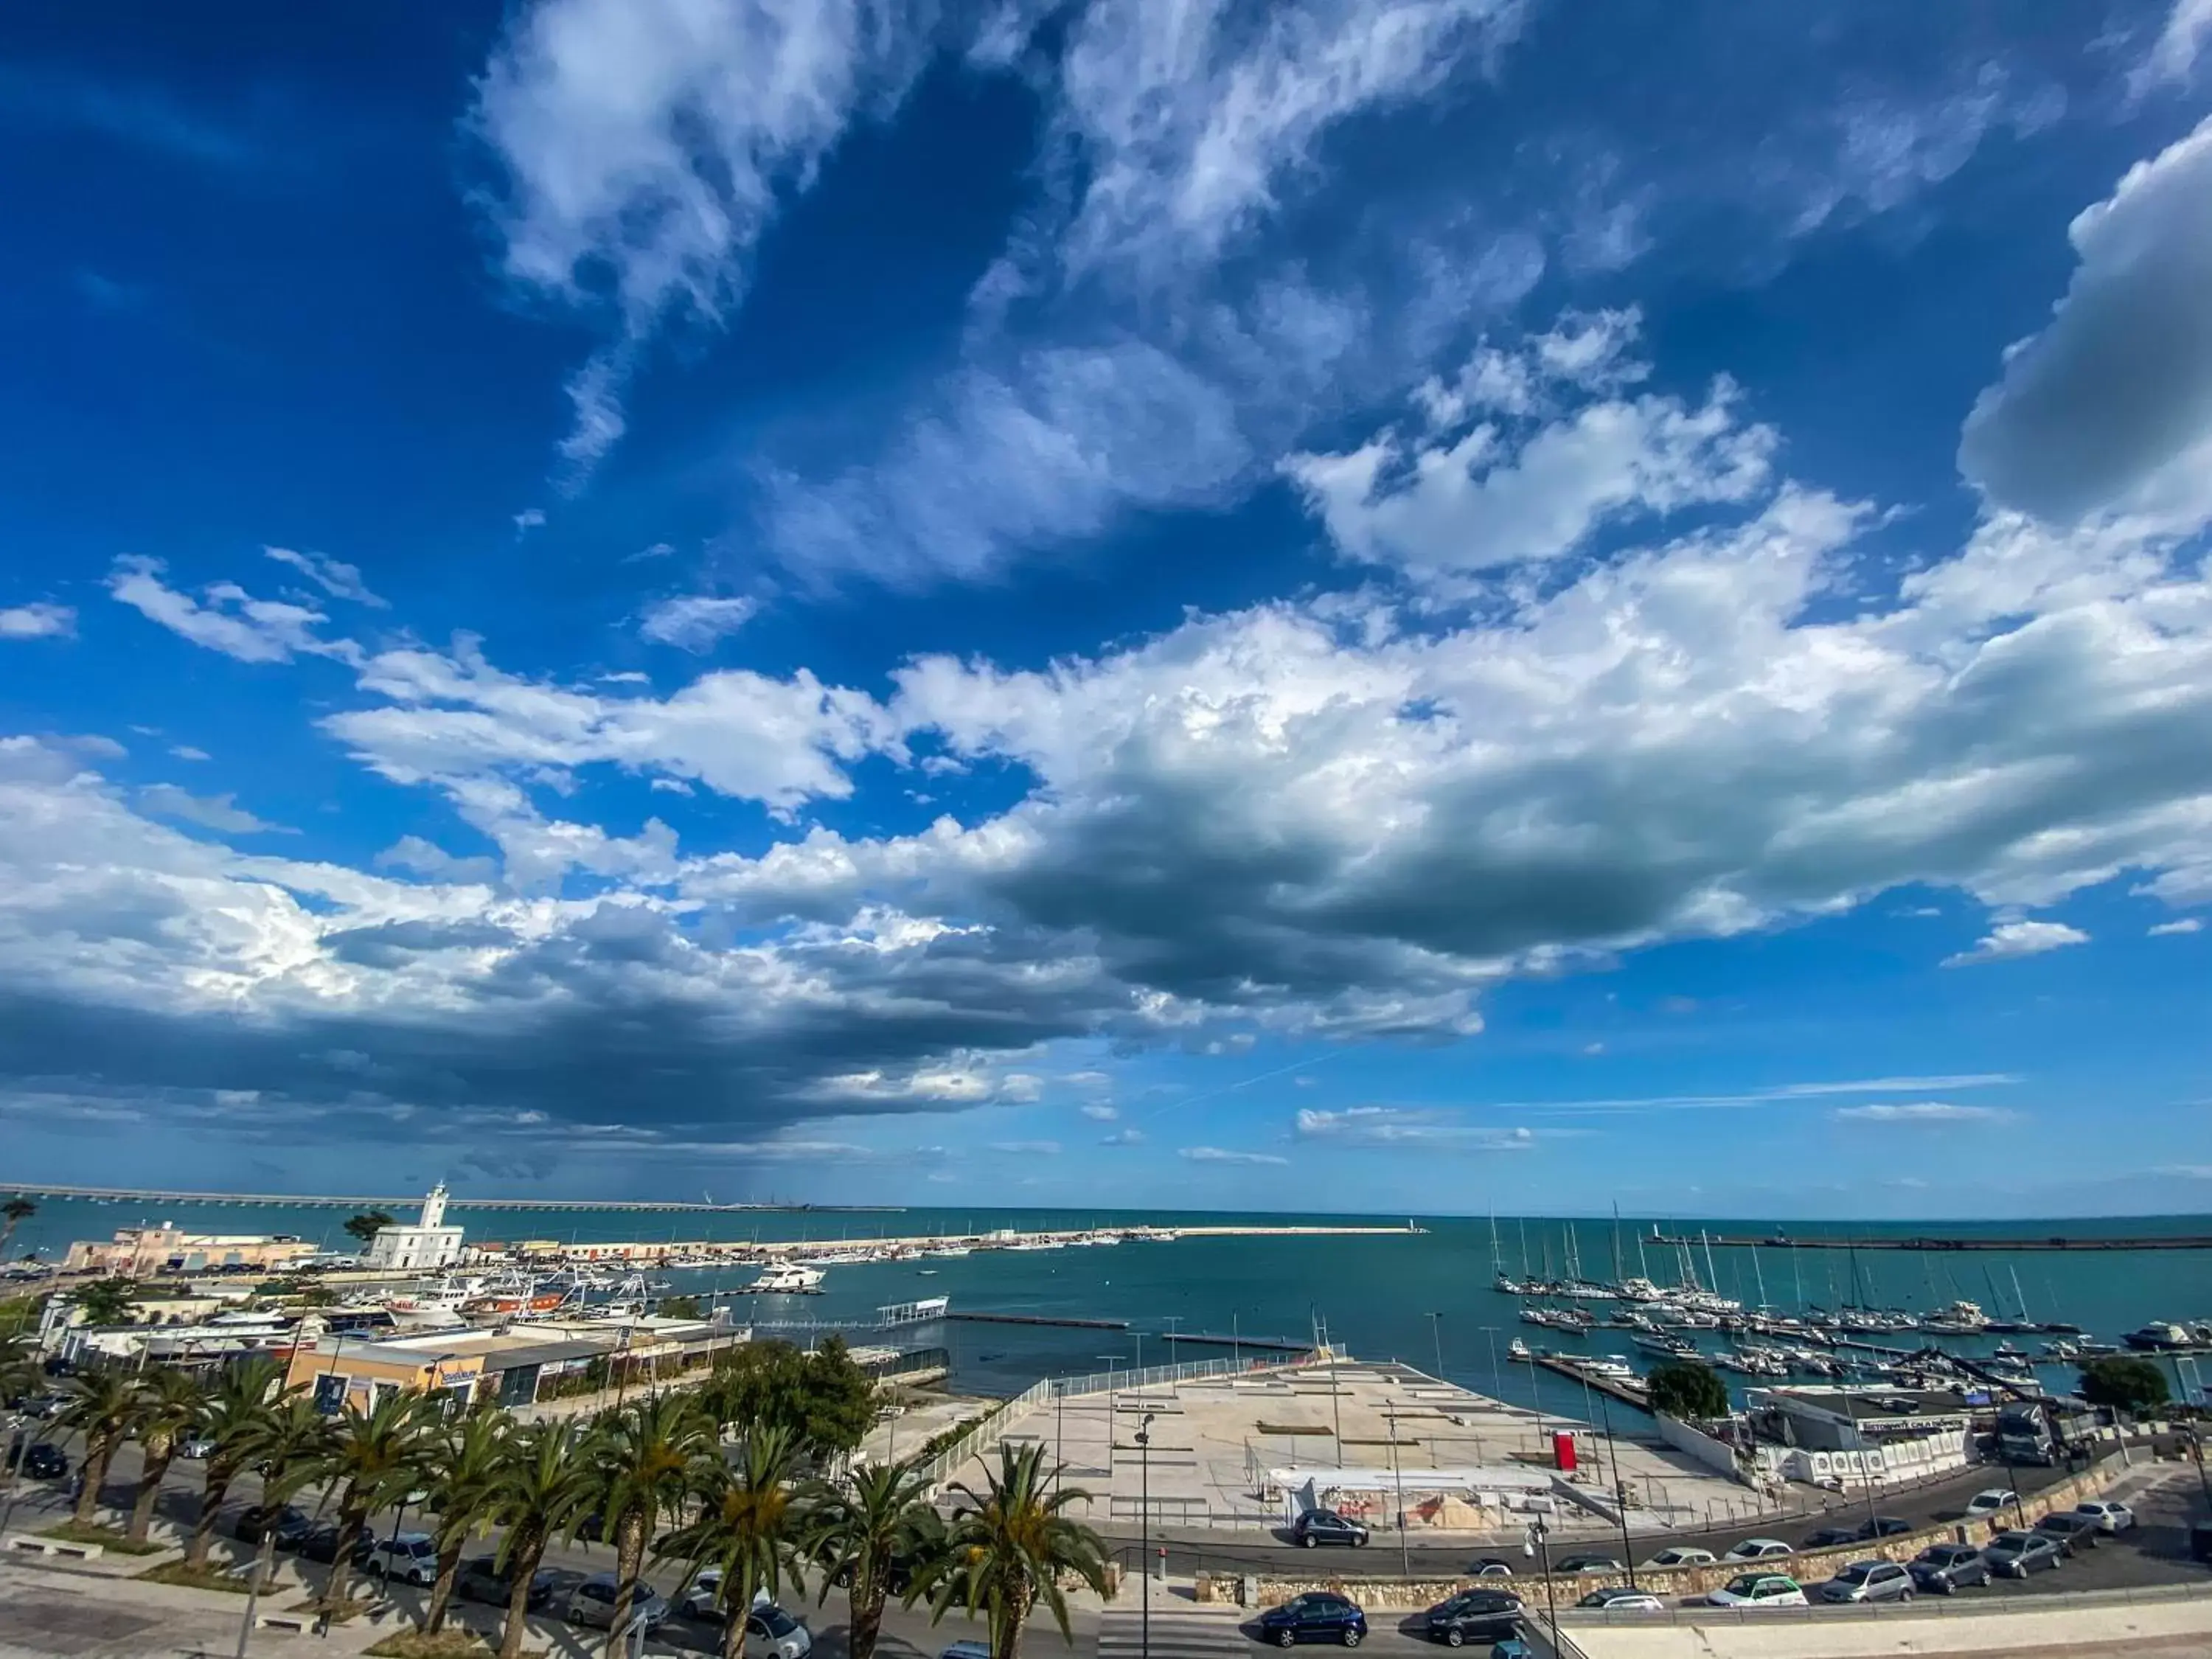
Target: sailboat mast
{"type": "Point", "coordinates": [1616, 1240]}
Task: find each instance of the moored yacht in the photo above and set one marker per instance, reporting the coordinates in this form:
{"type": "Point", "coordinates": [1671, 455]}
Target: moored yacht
{"type": "Point", "coordinates": [786, 1278]}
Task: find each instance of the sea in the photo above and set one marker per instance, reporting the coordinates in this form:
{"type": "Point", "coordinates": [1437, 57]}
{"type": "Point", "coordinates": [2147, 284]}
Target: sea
{"type": "Point", "coordinates": [1425, 1297]}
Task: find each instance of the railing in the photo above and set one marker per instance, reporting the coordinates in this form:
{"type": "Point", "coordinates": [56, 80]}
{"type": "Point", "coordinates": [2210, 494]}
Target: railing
{"type": "Point", "coordinates": [993, 1422]}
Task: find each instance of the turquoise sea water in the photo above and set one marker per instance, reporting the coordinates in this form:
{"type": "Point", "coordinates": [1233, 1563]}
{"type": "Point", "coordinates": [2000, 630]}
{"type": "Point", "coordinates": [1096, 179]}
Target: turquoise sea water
{"type": "Point", "coordinates": [1375, 1295]}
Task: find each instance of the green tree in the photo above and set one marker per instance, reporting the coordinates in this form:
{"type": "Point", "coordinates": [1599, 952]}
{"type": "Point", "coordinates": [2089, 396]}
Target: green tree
{"type": "Point", "coordinates": [106, 1301]}
{"type": "Point", "coordinates": [468, 1470]}
{"type": "Point", "coordinates": [1008, 1548]}
{"type": "Point", "coordinates": [840, 1399]}
{"type": "Point", "coordinates": [240, 1411]}
{"type": "Point", "coordinates": [1686, 1389]}
{"type": "Point", "coordinates": [378, 1456]}
{"type": "Point", "coordinates": [13, 1214]}
{"type": "Point", "coordinates": [859, 1528]}
{"type": "Point", "coordinates": [287, 1451]}
{"type": "Point", "coordinates": [103, 1406]}
{"type": "Point", "coordinates": [541, 1493]}
{"type": "Point", "coordinates": [745, 1526]}
{"type": "Point", "coordinates": [2125, 1382]}
{"type": "Point", "coordinates": [823, 1399]}
{"type": "Point", "coordinates": [639, 1469]}
{"type": "Point", "coordinates": [21, 1370]}
{"type": "Point", "coordinates": [365, 1227]}
{"type": "Point", "coordinates": [172, 1404]}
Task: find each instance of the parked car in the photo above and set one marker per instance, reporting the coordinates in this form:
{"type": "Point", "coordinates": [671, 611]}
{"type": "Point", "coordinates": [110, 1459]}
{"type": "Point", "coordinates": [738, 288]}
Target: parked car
{"type": "Point", "coordinates": [2108, 1515]}
{"type": "Point", "coordinates": [1622, 1601]}
{"type": "Point", "coordinates": [1947, 1569]}
{"type": "Point", "coordinates": [44, 1405]}
{"type": "Point", "coordinates": [43, 1461]}
{"type": "Point", "coordinates": [1587, 1564]}
{"type": "Point", "coordinates": [196, 1447]}
{"type": "Point", "coordinates": [1883, 1526]}
{"type": "Point", "coordinates": [2016, 1554]}
{"type": "Point", "coordinates": [1759, 1589]}
{"type": "Point", "coordinates": [1511, 1648]}
{"type": "Point", "coordinates": [411, 1559]}
{"type": "Point", "coordinates": [1490, 1566]}
{"type": "Point", "coordinates": [321, 1544]}
{"type": "Point", "coordinates": [967, 1651]}
{"type": "Point", "coordinates": [1317, 1616]}
{"type": "Point", "coordinates": [290, 1525]}
{"type": "Point", "coordinates": [772, 1633]}
{"type": "Point", "coordinates": [1987, 1505]}
{"type": "Point", "coordinates": [2072, 1530]}
{"type": "Point", "coordinates": [482, 1579]}
{"type": "Point", "coordinates": [1681, 1556]}
{"type": "Point", "coordinates": [1475, 1615]}
{"type": "Point", "coordinates": [1325, 1526]}
{"type": "Point", "coordinates": [1759, 1549]}
{"type": "Point", "coordinates": [1828, 1537]}
{"type": "Point", "coordinates": [1868, 1581]}
{"type": "Point", "coordinates": [592, 1603]}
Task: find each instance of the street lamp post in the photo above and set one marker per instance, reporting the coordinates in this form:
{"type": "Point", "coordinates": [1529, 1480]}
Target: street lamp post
{"type": "Point", "coordinates": [1535, 1544]}
{"type": "Point", "coordinates": [1398, 1481]}
{"type": "Point", "coordinates": [1144, 1534]}
{"type": "Point", "coordinates": [1496, 1376]}
{"type": "Point", "coordinates": [1437, 1335]}
{"type": "Point", "coordinates": [1619, 1490]}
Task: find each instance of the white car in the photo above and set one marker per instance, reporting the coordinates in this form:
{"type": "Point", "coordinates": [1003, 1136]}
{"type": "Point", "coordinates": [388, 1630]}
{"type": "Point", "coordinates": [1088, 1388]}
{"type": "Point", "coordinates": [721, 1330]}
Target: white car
{"type": "Point", "coordinates": [770, 1632]}
{"type": "Point", "coordinates": [1622, 1601]}
{"type": "Point", "coordinates": [410, 1558]}
{"type": "Point", "coordinates": [1681, 1556]}
{"type": "Point", "coordinates": [1759, 1590]}
{"type": "Point", "coordinates": [196, 1447]}
{"type": "Point", "coordinates": [2109, 1516]}
{"type": "Point", "coordinates": [1759, 1549]}
{"type": "Point", "coordinates": [1984, 1504]}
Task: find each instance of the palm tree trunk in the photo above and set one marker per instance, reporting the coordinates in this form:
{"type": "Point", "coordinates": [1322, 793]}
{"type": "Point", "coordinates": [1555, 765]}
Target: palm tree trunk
{"type": "Point", "coordinates": [219, 1477]}
{"type": "Point", "coordinates": [349, 1525]}
{"type": "Point", "coordinates": [630, 1559]}
{"type": "Point", "coordinates": [522, 1561]}
{"type": "Point", "coordinates": [733, 1627]}
{"type": "Point", "coordinates": [1007, 1640]}
{"type": "Point", "coordinates": [97, 1453]}
{"type": "Point", "coordinates": [441, 1592]}
{"type": "Point", "coordinates": [149, 1488]}
{"type": "Point", "coordinates": [868, 1617]}
{"type": "Point", "coordinates": [263, 1562]}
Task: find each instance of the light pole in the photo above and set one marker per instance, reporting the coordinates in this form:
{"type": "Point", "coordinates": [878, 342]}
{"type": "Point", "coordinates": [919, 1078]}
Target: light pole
{"type": "Point", "coordinates": [1620, 1492]}
{"type": "Point", "coordinates": [1144, 1534]}
{"type": "Point", "coordinates": [1496, 1376]}
{"type": "Point", "coordinates": [1437, 1335]}
{"type": "Point", "coordinates": [1398, 1481]}
{"type": "Point", "coordinates": [1535, 1544]}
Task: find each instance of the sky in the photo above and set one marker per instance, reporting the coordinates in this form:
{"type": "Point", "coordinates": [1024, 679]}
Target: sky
{"type": "Point", "coordinates": [1396, 605]}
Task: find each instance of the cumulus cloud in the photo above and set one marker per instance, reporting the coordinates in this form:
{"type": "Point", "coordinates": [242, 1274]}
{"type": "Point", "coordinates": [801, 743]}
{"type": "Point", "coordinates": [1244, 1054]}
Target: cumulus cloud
{"type": "Point", "coordinates": [1226, 1154]}
{"type": "Point", "coordinates": [2181, 925]}
{"type": "Point", "coordinates": [335, 577]}
{"type": "Point", "coordinates": [1099, 1111]}
{"type": "Point", "coordinates": [221, 813]}
{"type": "Point", "coordinates": [2008, 939]}
{"type": "Point", "coordinates": [1921, 1112]}
{"type": "Point", "coordinates": [2110, 407]}
{"type": "Point", "coordinates": [226, 618]}
{"type": "Point", "coordinates": [37, 620]}
{"type": "Point", "coordinates": [694, 622]}
{"type": "Point", "coordinates": [2171, 59]}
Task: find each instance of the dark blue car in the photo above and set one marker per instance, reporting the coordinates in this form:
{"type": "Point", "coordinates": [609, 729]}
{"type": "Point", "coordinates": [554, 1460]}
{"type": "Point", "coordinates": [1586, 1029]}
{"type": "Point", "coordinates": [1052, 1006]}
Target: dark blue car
{"type": "Point", "coordinates": [1317, 1616]}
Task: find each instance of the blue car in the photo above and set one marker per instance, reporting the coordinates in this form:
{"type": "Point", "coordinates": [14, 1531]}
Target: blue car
{"type": "Point", "coordinates": [1317, 1616]}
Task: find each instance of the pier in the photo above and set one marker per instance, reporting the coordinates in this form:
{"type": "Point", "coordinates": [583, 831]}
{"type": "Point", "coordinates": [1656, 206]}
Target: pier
{"type": "Point", "coordinates": [1628, 1393]}
{"type": "Point", "coordinates": [1218, 1340]}
{"type": "Point", "coordinates": [157, 1195]}
{"type": "Point", "coordinates": [1070, 1324]}
{"type": "Point", "coordinates": [2055, 1241]}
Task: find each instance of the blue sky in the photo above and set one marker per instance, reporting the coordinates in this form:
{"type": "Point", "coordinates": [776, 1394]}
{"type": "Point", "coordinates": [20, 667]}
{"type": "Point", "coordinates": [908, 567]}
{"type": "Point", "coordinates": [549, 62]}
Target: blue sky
{"type": "Point", "coordinates": [1394, 604]}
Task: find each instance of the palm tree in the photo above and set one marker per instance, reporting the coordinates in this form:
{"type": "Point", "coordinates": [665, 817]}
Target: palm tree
{"type": "Point", "coordinates": [171, 1405]}
{"type": "Point", "coordinates": [103, 1406]}
{"type": "Point", "coordinates": [541, 1492]}
{"type": "Point", "coordinates": [1008, 1548]}
{"type": "Point", "coordinates": [639, 1469]}
{"type": "Point", "coordinates": [19, 1369]}
{"type": "Point", "coordinates": [238, 1416]}
{"type": "Point", "coordinates": [105, 1301]}
{"type": "Point", "coordinates": [286, 1450]}
{"type": "Point", "coordinates": [858, 1530]}
{"type": "Point", "coordinates": [381, 1454]}
{"type": "Point", "coordinates": [746, 1528]}
{"type": "Point", "coordinates": [13, 1214]}
{"type": "Point", "coordinates": [470, 1466]}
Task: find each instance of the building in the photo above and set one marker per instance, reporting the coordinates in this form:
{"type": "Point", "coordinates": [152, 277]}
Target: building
{"type": "Point", "coordinates": [513, 1365]}
{"type": "Point", "coordinates": [427, 1246]}
{"type": "Point", "coordinates": [1874, 1435]}
{"type": "Point", "coordinates": [141, 1252]}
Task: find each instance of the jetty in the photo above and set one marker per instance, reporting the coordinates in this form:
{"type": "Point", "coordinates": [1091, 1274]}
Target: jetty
{"type": "Point", "coordinates": [1233, 1340]}
{"type": "Point", "coordinates": [158, 1195]}
{"type": "Point", "coordinates": [1068, 1322]}
{"type": "Point", "coordinates": [1628, 1393]}
{"type": "Point", "coordinates": [2055, 1241]}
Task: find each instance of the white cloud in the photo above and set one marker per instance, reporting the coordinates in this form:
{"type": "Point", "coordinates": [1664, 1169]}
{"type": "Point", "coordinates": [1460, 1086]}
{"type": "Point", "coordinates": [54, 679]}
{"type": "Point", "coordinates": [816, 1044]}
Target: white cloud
{"type": "Point", "coordinates": [38, 621]}
{"type": "Point", "coordinates": [2171, 60]}
{"type": "Point", "coordinates": [1226, 1155]}
{"type": "Point", "coordinates": [2110, 407]}
{"type": "Point", "coordinates": [427, 859]}
{"type": "Point", "coordinates": [1188, 115]}
{"type": "Point", "coordinates": [597, 422]}
{"type": "Point", "coordinates": [185, 751]}
{"type": "Point", "coordinates": [1123, 1138]}
{"type": "Point", "coordinates": [1921, 1112]}
{"type": "Point", "coordinates": [1099, 1111]}
{"type": "Point", "coordinates": [338, 579]}
{"type": "Point", "coordinates": [2181, 925]}
{"type": "Point", "coordinates": [1420, 1128]}
{"type": "Point", "coordinates": [221, 813]}
{"type": "Point", "coordinates": [2008, 939]}
{"type": "Point", "coordinates": [694, 622]}
{"type": "Point", "coordinates": [1027, 1148]}
{"type": "Point", "coordinates": [226, 618]}
{"type": "Point", "coordinates": [529, 518]}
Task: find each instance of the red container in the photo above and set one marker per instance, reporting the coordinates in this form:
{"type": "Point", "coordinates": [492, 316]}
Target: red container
{"type": "Point", "coordinates": [1563, 1452]}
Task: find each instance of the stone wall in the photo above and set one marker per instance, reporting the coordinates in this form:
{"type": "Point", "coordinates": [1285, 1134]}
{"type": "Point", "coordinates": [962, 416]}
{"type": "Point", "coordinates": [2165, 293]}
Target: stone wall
{"type": "Point", "coordinates": [1809, 1567]}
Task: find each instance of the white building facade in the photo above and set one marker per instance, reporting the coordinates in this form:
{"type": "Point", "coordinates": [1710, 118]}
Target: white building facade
{"type": "Point", "coordinates": [425, 1247]}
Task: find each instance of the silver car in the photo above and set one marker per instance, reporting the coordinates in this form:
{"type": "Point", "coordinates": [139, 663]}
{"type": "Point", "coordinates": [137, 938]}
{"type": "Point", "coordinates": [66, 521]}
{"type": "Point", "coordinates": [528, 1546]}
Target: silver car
{"type": "Point", "coordinates": [1868, 1581]}
{"type": "Point", "coordinates": [592, 1603]}
{"type": "Point", "coordinates": [2108, 1515]}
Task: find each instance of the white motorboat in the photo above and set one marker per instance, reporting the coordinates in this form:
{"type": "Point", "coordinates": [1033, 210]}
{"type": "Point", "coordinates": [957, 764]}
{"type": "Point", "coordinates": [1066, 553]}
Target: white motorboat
{"type": "Point", "coordinates": [1517, 1349]}
{"type": "Point", "coordinates": [786, 1278]}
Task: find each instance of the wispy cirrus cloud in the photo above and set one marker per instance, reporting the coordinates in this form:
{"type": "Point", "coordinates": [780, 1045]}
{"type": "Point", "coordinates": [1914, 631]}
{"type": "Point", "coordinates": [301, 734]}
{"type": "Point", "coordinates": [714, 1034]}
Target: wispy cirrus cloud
{"type": "Point", "coordinates": [1396, 1127]}
{"type": "Point", "coordinates": [1228, 1155]}
{"type": "Point", "coordinates": [1921, 1112]}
